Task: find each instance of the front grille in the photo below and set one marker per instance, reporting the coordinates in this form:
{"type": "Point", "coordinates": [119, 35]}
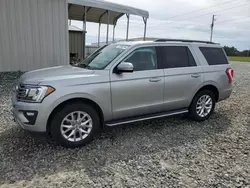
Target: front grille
{"type": "Point", "coordinates": [20, 92]}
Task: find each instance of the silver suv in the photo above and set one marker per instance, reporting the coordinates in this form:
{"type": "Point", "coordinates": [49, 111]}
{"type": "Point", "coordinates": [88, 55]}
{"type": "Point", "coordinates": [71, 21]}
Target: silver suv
{"type": "Point", "coordinates": [123, 83]}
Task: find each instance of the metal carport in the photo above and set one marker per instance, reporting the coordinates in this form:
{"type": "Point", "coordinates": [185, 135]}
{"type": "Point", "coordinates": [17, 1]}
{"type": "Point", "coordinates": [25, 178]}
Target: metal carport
{"type": "Point", "coordinates": [34, 33]}
{"type": "Point", "coordinates": [103, 12]}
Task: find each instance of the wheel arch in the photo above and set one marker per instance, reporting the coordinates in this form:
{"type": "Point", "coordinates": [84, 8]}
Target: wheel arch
{"type": "Point", "coordinates": [75, 100]}
{"type": "Point", "coordinates": [212, 88]}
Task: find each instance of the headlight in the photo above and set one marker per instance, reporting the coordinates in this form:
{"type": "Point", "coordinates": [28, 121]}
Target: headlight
{"type": "Point", "coordinates": [35, 93]}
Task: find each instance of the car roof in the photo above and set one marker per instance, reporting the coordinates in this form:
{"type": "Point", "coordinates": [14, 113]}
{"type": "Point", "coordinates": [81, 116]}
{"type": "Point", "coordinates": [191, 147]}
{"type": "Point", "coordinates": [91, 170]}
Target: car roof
{"type": "Point", "coordinates": [186, 42]}
{"type": "Point", "coordinates": [131, 43]}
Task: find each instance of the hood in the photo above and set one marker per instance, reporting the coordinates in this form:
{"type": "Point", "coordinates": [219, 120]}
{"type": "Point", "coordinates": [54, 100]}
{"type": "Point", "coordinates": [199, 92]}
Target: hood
{"type": "Point", "coordinates": [54, 73]}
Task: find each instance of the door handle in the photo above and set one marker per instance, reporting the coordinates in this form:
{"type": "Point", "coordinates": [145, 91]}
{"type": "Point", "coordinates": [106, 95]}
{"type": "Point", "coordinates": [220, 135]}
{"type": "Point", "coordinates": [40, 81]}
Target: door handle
{"type": "Point", "coordinates": [154, 79]}
{"type": "Point", "coordinates": [195, 75]}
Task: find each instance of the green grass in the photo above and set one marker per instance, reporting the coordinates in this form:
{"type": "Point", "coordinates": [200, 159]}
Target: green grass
{"type": "Point", "coordinates": [238, 58]}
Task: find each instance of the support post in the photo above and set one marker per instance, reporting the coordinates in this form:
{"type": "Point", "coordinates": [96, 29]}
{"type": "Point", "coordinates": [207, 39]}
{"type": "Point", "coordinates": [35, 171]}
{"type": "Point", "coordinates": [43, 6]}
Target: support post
{"type": "Point", "coordinates": [99, 34]}
{"type": "Point", "coordinates": [145, 28]}
{"type": "Point", "coordinates": [84, 32]}
{"type": "Point", "coordinates": [100, 21]}
{"type": "Point", "coordinates": [115, 22]}
{"type": "Point", "coordinates": [84, 19]}
{"type": "Point", "coordinates": [127, 26]}
{"type": "Point", "coordinates": [107, 37]}
{"type": "Point", "coordinates": [114, 32]}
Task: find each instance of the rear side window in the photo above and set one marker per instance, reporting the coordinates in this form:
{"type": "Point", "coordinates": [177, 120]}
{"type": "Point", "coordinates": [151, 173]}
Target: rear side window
{"type": "Point", "coordinates": [214, 56]}
{"type": "Point", "coordinates": [177, 56]}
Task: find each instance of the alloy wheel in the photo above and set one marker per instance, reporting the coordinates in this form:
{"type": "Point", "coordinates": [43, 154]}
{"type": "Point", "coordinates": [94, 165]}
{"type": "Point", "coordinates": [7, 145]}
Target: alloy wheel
{"type": "Point", "coordinates": [204, 105]}
{"type": "Point", "coordinates": [76, 126]}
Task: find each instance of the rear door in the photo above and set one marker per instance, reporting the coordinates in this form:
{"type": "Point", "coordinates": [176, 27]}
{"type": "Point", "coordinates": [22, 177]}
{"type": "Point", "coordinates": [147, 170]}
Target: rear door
{"type": "Point", "coordinates": [182, 74]}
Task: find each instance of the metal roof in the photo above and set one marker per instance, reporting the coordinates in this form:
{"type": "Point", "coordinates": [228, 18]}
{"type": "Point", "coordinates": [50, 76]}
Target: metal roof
{"type": "Point", "coordinates": [97, 9]}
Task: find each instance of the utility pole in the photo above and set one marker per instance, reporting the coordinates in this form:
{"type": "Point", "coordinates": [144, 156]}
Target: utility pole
{"type": "Point", "coordinates": [212, 28]}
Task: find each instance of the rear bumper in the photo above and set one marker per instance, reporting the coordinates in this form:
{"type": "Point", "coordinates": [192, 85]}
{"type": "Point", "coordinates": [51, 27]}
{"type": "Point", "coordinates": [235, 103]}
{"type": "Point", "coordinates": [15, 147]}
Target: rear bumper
{"type": "Point", "coordinates": [225, 94]}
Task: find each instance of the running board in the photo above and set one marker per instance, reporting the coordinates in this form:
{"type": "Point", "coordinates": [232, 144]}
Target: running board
{"type": "Point", "coordinates": [143, 118]}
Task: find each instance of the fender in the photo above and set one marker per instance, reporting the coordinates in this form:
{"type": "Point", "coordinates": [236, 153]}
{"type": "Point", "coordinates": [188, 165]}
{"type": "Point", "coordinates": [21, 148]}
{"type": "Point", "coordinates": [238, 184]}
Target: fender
{"type": "Point", "coordinates": [106, 113]}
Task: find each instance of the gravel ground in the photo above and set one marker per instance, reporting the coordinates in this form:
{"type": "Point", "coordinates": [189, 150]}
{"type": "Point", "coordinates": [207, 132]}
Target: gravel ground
{"type": "Point", "coordinates": [169, 152]}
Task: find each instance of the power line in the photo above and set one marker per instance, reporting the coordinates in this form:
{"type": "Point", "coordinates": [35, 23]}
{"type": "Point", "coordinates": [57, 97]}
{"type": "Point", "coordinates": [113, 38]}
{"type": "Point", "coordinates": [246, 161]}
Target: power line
{"type": "Point", "coordinates": [201, 15]}
{"type": "Point", "coordinates": [200, 9]}
{"type": "Point", "coordinates": [224, 21]}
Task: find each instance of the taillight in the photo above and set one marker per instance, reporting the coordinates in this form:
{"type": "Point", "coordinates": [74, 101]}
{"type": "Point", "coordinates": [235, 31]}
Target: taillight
{"type": "Point", "coordinates": [230, 74]}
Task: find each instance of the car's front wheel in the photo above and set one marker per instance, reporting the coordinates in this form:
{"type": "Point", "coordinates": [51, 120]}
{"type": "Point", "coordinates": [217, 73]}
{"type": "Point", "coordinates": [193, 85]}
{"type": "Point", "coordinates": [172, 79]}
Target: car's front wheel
{"type": "Point", "coordinates": [75, 125]}
{"type": "Point", "coordinates": [202, 105]}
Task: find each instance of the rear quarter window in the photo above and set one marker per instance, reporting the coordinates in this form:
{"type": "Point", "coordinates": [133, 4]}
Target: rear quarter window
{"type": "Point", "coordinates": [214, 56]}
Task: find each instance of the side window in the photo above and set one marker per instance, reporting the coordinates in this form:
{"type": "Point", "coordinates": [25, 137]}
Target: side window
{"type": "Point", "coordinates": [144, 58]}
{"type": "Point", "coordinates": [214, 56]}
{"type": "Point", "coordinates": [177, 56]}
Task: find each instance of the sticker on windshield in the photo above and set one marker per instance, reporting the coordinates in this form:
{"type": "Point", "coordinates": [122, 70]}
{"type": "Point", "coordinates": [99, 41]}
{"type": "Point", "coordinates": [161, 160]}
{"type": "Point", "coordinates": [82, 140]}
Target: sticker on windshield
{"type": "Point", "coordinates": [124, 47]}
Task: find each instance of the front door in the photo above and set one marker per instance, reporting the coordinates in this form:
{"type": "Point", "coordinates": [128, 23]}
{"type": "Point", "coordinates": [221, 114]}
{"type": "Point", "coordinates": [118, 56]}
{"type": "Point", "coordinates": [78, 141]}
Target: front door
{"type": "Point", "coordinates": [139, 92]}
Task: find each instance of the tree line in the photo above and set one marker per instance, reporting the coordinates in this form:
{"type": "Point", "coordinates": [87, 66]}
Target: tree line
{"type": "Point", "coordinates": [232, 51]}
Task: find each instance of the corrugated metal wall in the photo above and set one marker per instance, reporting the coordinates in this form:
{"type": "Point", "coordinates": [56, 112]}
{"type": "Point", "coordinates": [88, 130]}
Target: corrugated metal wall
{"type": "Point", "coordinates": [33, 34]}
{"type": "Point", "coordinates": [75, 43]}
{"type": "Point", "coordinates": [90, 49]}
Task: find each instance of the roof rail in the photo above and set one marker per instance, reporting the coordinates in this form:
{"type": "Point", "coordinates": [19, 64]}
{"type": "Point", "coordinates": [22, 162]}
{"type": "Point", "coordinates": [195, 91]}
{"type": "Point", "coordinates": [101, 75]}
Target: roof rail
{"type": "Point", "coordinates": [183, 40]}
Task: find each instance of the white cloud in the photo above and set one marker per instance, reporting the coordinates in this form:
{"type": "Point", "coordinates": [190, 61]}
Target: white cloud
{"type": "Point", "coordinates": [163, 21]}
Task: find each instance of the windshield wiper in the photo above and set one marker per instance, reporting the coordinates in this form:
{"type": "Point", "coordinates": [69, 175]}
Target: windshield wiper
{"type": "Point", "coordinates": [90, 68]}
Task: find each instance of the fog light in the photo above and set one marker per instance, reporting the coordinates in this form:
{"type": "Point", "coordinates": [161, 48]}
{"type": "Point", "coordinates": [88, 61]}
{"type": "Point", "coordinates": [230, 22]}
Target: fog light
{"type": "Point", "coordinates": [30, 116]}
{"type": "Point", "coordinates": [30, 113]}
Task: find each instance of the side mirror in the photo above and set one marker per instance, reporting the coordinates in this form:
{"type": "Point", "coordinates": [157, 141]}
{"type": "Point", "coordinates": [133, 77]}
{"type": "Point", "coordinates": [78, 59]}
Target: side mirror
{"type": "Point", "coordinates": [125, 67]}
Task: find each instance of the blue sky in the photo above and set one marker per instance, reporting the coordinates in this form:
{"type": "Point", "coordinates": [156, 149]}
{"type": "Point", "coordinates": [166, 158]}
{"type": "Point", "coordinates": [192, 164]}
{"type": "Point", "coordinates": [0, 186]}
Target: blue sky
{"type": "Point", "coordinates": [168, 20]}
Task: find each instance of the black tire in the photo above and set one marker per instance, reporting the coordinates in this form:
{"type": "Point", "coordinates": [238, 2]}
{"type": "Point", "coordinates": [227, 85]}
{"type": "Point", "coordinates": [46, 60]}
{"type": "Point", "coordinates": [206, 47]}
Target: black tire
{"type": "Point", "coordinates": [62, 113]}
{"type": "Point", "coordinates": [192, 108]}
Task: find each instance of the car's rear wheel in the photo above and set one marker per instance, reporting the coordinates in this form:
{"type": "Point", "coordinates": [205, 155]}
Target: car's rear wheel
{"type": "Point", "coordinates": [75, 125]}
{"type": "Point", "coordinates": [202, 105]}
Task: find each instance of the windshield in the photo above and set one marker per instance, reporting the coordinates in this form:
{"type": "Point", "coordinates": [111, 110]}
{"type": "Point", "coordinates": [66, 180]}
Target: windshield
{"type": "Point", "coordinates": [102, 57]}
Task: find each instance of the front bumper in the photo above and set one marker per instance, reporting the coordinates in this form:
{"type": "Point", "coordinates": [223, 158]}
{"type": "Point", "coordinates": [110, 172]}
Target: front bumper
{"type": "Point", "coordinates": [18, 109]}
